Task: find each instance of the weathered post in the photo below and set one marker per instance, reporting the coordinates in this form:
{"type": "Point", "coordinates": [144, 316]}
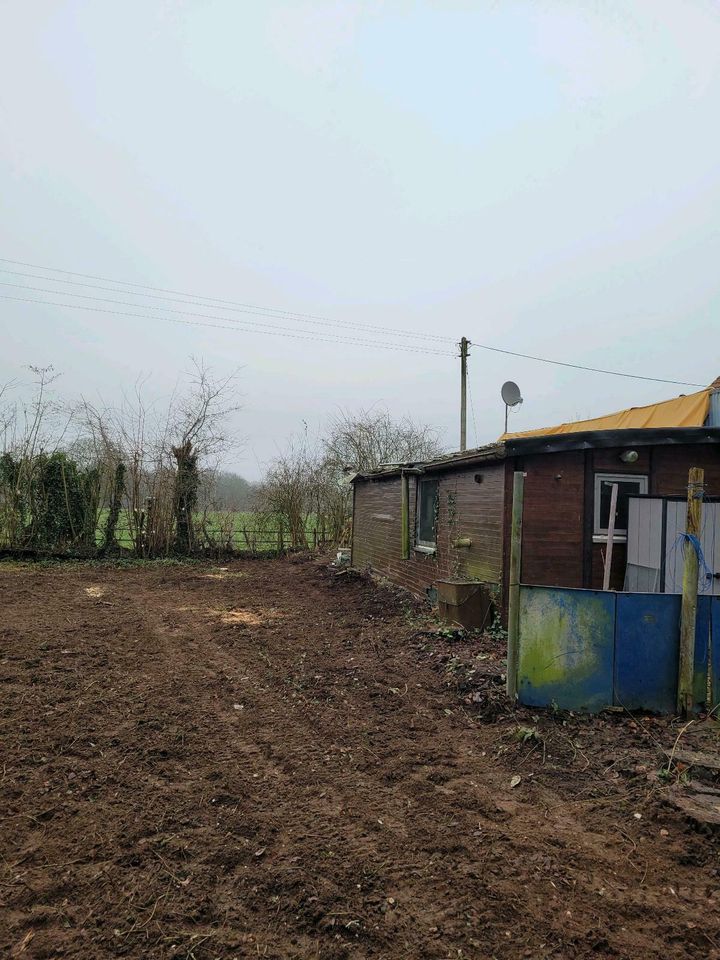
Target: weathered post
{"type": "Point", "coordinates": [464, 344]}
{"type": "Point", "coordinates": [404, 516]}
{"type": "Point", "coordinates": [513, 645]}
{"type": "Point", "coordinates": [688, 613]}
{"type": "Point", "coordinates": [611, 537]}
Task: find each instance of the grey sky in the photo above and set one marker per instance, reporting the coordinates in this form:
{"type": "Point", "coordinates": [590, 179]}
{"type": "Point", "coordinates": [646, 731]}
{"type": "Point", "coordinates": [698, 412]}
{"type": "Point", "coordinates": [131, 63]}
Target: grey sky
{"type": "Point", "coordinates": [543, 177]}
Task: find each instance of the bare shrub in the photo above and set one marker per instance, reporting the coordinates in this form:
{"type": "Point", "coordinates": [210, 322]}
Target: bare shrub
{"type": "Point", "coordinates": [162, 450]}
{"type": "Point", "coordinates": [289, 491]}
{"type": "Point", "coordinates": [309, 484]}
{"type": "Point", "coordinates": [364, 440]}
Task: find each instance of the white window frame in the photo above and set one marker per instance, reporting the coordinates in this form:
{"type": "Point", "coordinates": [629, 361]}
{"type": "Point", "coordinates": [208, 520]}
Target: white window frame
{"type": "Point", "coordinates": [600, 534]}
{"type": "Point", "coordinates": [424, 546]}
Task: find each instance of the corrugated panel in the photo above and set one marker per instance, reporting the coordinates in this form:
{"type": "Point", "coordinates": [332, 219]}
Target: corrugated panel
{"type": "Point", "coordinates": [714, 409]}
{"type": "Point", "coordinates": [709, 540]}
{"type": "Point", "coordinates": [675, 513]}
{"type": "Point", "coordinates": [566, 648]}
{"type": "Point", "coordinates": [644, 544]}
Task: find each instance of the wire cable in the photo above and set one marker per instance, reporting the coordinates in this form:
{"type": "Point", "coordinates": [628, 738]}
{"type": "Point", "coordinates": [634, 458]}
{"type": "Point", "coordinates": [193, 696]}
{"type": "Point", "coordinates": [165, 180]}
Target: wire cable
{"type": "Point", "coordinates": [184, 313]}
{"type": "Point", "coordinates": [277, 332]}
{"type": "Point", "coordinates": [231, 304]}
{"type": "Point", "coordinates": [270, 312]}
{"type": "Point", "coordinates": [580, 366]}
{"type": "Point", "coordinates": [315, 318]}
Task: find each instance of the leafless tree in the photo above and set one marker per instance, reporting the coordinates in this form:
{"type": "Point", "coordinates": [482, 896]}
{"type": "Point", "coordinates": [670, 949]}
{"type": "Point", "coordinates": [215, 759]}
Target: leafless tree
{"type": "Point", "coordinates": [162, 450]}
{"type": "Point", "coordinates": [309, 484]}
{"type": "Point", "coordinates": [364, 440]}
{"type": "Point", "coordinates": [289, 490]}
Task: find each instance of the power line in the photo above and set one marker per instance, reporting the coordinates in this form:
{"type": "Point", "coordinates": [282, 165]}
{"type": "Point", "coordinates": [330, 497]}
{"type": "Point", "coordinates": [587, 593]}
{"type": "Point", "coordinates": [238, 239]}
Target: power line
{"type": "Point", "coordinates": [277, 332]}
{"type": "Point", "coordinates": [249, 308]}
{"type": "Point", "coordinates": [232, 305]}
{"type": "Point", "coordinates": [206, 316]}
{"type": "Point", "coordinates": [580, 366]}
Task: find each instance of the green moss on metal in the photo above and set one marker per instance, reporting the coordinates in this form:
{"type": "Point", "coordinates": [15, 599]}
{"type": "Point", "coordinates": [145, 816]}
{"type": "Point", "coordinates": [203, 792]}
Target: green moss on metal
{"type": "Point", "coordinates": [557, 639]}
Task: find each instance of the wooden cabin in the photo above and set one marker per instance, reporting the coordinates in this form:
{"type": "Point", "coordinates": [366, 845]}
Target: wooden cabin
{"type": "Point", "coordinates": [423, 525]}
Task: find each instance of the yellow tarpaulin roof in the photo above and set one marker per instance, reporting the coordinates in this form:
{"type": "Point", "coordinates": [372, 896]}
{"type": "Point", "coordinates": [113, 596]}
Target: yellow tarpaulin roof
{"type": "Point", "coordinates": [687, 411]}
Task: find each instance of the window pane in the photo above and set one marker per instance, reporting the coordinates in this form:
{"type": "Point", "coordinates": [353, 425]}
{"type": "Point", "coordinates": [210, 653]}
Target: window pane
{"type": "Point", "coordinates": [426, 511]}
{"type": "Point", "coordinates": [626, 488]}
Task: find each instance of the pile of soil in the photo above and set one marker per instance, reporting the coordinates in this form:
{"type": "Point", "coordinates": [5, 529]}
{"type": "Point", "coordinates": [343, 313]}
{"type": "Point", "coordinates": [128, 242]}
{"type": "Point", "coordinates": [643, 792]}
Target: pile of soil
{"type": "Point", "coordinates": [269, 760]}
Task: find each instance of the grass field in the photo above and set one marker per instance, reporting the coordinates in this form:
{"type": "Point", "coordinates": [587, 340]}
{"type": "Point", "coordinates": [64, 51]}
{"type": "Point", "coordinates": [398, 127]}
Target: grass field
{"type": "Point", "coordinates": [245, 530]}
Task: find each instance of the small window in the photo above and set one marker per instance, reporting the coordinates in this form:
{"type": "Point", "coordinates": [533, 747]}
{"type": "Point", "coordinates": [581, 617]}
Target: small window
{"type": "Point", "coordinates": [628, 486]}
{"type": "Point", "coordinates": [427, 498]}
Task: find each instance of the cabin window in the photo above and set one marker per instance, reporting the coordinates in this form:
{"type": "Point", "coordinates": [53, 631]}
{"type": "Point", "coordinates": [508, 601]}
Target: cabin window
{"type": "Point", "coordinates": [628, 486]}
{"type": "Point", "coordinates": [427, 499]}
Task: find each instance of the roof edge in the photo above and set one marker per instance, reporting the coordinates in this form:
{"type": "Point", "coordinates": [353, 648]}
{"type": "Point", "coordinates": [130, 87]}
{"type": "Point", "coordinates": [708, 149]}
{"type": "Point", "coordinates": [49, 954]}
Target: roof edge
{"type": "Point", "coordinates": [553, 443]}
{"type": "Point", "coordinates": [451, 461]}
{"type": "Point", "coordinates": [634, 436]}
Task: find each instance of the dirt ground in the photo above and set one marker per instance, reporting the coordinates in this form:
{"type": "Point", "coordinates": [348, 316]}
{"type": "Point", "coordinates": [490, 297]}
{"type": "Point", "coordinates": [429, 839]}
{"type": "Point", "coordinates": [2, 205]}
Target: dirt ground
{"type": "Point", "coordinates": [271, 761]}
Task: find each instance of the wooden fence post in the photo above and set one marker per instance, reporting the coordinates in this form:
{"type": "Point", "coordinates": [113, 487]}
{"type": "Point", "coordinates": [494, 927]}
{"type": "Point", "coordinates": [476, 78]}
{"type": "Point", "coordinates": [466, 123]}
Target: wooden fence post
{"type": "Point", "coordinates": [688, 614]}
{"type": "Point", "coordinates": [513, 642]}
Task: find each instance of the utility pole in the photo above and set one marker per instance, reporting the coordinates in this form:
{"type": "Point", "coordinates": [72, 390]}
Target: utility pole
{"type": "Point", "coordinates": [464, 344]}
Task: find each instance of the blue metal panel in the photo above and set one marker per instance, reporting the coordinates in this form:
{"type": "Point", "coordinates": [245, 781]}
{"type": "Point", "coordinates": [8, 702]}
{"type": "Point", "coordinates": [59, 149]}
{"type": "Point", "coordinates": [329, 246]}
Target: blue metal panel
{"type": "Point", "coordinates": [647, 640]}
{"type": "Point", "coordinates": [566, 648]}
{"type": "Point", "coordinates": [702, 637]}
{"type": "Point", "coordinates": [715, 634]}
{"type": "Point", "coordinates": [647, 646]}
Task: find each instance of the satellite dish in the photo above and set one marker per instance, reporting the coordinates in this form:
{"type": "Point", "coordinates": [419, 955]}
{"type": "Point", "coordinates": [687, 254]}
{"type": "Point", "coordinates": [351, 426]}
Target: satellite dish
{"type": "Point", "coordinates": [510, 393]}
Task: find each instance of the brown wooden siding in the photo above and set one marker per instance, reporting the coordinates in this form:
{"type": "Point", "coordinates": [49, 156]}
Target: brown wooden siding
{"type": "Point", "coordinates": [558, 547]}
{"type": "Point", "coordinates": [553, 519]}
{"type": "Point", "coordinates": [671, 465]}
{"type": "Point", "coordinates": [559, 507]}
{"type": "Point", "coordinates": [467, 508]}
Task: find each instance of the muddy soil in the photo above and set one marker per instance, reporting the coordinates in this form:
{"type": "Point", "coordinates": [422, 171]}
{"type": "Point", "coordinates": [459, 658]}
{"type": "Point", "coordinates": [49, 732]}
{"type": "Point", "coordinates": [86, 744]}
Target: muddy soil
{"type": "Point", "coordinates": [271, 761]}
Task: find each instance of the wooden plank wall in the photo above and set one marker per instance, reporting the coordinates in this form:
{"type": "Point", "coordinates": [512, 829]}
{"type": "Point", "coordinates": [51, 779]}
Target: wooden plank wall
{"type": "Point", "coordinates": [468, 507]}
{"type": "Point", "coordinates": [553, 519]}
{"type": "Point", "coordinates": [559, 506]}
{"type": "Point", "coordinates": [558, 547]}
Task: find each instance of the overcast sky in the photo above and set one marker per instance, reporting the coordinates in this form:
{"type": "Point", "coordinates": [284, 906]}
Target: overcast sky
{"type": "Point", "coordinates": [537, 176]}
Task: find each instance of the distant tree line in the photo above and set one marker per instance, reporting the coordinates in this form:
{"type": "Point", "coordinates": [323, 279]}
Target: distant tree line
{"type": "Point", "coordinates": [233, 492]}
